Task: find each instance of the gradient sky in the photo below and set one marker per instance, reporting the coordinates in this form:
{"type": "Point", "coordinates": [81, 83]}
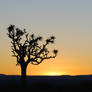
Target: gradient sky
{"type": "Point", "coordinates": [69, 20]}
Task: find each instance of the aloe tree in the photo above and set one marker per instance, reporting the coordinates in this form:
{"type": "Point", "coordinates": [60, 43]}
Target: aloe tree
{"type": "Point", "coordinates": [28, 49]}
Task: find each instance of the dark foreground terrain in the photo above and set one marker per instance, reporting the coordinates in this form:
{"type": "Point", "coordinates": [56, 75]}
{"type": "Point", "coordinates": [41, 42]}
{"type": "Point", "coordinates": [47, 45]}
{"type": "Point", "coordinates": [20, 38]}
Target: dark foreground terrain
{"type": "Point", "coordinates": [47, 83]}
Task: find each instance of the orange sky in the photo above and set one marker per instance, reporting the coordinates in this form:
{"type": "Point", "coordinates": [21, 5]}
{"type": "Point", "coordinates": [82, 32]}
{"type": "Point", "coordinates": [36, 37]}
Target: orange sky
{"type": "Point", "coordinates": [69, 20]}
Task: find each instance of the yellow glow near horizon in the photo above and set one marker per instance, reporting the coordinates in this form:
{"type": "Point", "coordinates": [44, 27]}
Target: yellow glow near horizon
{"type": "Point", "coordinates": [54, 74]}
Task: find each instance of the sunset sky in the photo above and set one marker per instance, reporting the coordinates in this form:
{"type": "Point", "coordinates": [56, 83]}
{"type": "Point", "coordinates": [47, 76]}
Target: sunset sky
{"type": "Point", "coordinates": [69, 20]}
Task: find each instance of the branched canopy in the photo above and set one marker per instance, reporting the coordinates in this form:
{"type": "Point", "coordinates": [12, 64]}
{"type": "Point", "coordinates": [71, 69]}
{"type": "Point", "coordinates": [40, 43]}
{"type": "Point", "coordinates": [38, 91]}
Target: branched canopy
{"type": "Point", "coordinates": [34, 52]}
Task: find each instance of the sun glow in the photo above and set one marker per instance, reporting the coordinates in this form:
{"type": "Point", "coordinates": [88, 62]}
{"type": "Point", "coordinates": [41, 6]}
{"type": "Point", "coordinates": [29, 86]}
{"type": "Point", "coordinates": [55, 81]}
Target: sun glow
{"type": "Point", "coordinates": [54, 74]}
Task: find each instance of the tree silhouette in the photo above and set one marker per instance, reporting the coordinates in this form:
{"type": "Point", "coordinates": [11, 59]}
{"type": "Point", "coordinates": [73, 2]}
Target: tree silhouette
{"type": "Point", "coordinates": [27, 49]}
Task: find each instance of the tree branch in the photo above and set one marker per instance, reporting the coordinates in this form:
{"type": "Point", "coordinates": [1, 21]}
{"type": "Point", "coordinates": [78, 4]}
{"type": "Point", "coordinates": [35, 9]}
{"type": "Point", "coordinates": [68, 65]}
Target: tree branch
{"type": "Point", "coordinates": [31, 48]}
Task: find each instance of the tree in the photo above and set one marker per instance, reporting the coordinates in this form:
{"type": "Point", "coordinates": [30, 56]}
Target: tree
{"type": "Point", "coordinates": [28, 50]}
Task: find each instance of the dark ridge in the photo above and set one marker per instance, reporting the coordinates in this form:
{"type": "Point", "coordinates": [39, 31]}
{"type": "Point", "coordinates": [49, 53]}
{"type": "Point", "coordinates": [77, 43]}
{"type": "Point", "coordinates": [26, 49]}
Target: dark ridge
{"type": "Point", "coordinates": [63, 83]}
{"type": "Point", "coordinates": [2, 75]}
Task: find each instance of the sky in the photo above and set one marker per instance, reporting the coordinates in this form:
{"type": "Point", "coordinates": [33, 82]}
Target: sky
{"type": "Point", "coordinates": [69, 20]}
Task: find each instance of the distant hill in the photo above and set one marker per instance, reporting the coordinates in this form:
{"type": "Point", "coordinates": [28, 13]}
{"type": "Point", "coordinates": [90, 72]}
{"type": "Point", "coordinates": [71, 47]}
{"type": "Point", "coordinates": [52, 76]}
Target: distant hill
{"type": "Point", "coordinates": [64, 83]}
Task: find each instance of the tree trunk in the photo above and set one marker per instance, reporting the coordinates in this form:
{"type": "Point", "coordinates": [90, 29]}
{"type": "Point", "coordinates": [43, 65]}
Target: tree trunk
{"type": "Point", "coordinates": [23, 70]}
{"type": "Point", "coordinates": [23, 74]}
